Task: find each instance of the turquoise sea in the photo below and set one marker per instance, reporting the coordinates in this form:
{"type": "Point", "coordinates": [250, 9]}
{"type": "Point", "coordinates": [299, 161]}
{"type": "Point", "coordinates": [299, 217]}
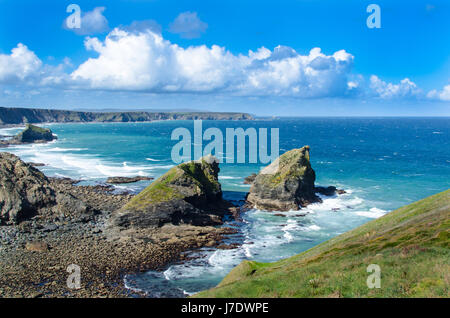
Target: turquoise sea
{"type": "Point", "coordinates": [382, 163]}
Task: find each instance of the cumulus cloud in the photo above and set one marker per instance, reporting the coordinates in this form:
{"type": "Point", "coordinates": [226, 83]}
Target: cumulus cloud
{"type": "Point", "coordinates": [146, 61]}
{"type": "Point", "coordinates": [142, 26]}
{"type": "Point", "coordinates": [138, 58]}
{"type": "Point", "coordinates": [285, 72]}
{"type": "Point", "coordinates": [21, 65]}
{"type": "Point", "coordinates": [443, 94]}
{"type": "Point", "coordinates": [92, 22]}
{"type": "Point", "coordinates": [188, 25]}
{"type": "Point", "coordinates": [405, 89]}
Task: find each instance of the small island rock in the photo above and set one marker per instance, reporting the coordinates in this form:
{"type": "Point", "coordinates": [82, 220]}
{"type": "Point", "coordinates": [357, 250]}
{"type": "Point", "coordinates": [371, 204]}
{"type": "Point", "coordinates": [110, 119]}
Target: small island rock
{"type": "Point", "coordinates": [286, 184]}
{"type": "Point", "coordinates": [33, 134]}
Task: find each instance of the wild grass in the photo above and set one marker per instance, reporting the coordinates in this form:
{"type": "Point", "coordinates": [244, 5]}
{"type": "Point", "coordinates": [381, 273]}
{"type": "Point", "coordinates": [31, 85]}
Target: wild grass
{"type": "Point", "coordinates": [411, 246]}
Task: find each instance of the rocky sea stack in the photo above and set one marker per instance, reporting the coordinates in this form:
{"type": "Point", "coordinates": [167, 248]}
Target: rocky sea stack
{"type": "Point", "coordinates": [189, 193]}
{"type": "Point", "coordinates": [34, 133]}
{"type": "Point", "coordinates": [286, 184]}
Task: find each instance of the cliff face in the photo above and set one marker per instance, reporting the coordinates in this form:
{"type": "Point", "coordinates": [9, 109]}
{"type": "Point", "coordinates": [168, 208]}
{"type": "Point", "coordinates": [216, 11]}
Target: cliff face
{"type": "Point", "coordinates": [10, 116]}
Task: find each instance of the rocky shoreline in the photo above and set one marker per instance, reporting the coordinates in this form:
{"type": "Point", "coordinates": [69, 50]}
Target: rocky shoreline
{"type": "Point", "coordinates": [48, 224]}
{"type": "Point", "coordinates": [35, 254]}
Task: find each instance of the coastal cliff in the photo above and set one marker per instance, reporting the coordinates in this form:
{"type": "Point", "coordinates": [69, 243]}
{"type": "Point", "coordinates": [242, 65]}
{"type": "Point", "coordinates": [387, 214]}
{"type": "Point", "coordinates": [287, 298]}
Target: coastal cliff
{"type": "Point", "coordinates": [17, 116]}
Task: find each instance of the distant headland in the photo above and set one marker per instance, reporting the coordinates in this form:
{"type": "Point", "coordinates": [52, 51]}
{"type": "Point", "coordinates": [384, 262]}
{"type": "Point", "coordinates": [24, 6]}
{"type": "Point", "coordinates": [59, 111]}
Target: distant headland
{"type": "Point", "coordinates": [17, 116]}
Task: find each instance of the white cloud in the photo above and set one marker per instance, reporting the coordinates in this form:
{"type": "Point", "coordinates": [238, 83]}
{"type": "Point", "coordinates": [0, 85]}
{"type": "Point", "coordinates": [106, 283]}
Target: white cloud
{"type": "Point", "coordinates": [405, 89]}
{"type": "Point", "coordinates": [21, 65]}
{"type": "Point", "coordinates": [443, 95]}
{"type": "Point", "coordinates": [188, 25]}
{"type": "Point", "coordinates": [138, 58]}
{"type": "Point", "coordinates": [142, 26]}
{"type": "Point", "coordinates": [92, 22]}
{"type": "Point", "coordinates": [285, 72]}
{"type": "Point", "coordinates": [145, 61]}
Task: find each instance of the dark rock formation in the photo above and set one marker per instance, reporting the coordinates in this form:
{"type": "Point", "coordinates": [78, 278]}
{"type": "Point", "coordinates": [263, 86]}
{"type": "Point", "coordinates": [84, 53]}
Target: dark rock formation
{"type": "Point", "coordinates": [65, 230]}
{"type": "Point", "coordinates": [286, 184]}
{"type": "Point", "coordinates": [329, 191]}
{"type": "Point", "coordinates": [118, 180]}
{"type": "Point", "coordinates": [189, 193]}
{"type": "Point", "coordinates": [31, 134]}
{"type": "Point", "coordinates": [26, 192]}
{"type": "Point", "coordinates": [250, 179]}
{"type": "Point", "coordinates": [36, 164]}
{"type": "Point", "coordinates": [34, 133]}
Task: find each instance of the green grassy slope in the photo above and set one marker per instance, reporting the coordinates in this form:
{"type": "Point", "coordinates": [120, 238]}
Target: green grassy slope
{"type": "Point", "coordinates": [411, 246]}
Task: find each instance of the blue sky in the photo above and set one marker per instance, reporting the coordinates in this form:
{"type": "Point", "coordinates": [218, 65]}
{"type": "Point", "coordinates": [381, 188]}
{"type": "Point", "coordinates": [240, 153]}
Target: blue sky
{"type": "Point", "coordinates": [304, 57]}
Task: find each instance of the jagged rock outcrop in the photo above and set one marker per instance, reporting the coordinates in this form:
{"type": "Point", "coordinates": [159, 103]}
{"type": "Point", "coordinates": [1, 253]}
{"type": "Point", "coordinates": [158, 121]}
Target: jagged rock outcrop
{"type": "Point", "coordinates": [189, 193]}
{"type": "Point", "coordinates": [26, 192]}
{"type": "Point", "coordinates": [329, 191]}
{"type": "Point", "coordinates": [286, 184]}
{"type": "Point", "coordinates": [34, 133]}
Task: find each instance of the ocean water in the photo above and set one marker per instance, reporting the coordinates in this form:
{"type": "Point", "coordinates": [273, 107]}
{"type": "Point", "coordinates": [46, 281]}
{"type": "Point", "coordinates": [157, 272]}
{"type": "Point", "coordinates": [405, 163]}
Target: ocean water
{"type": "Point", "coordinates": [382, 163]}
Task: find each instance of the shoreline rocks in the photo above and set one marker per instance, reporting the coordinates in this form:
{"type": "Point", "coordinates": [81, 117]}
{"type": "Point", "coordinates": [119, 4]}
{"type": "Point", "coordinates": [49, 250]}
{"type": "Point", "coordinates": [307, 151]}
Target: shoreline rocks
{"type": "Point", "coordinates": [329, 191]}
{"type": "Point", "coordinates": [109, 234]}
{"type": "Point", "coordinates": [35, 253]}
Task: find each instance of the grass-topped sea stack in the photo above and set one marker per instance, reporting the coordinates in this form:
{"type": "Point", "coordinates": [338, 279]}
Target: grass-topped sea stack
{"type": "Point", "coordinates": [189, 193]}
{"type": "Point", "coordinates": [285, 184]}
{"type": "Point", "coordinates": [34, 133]}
